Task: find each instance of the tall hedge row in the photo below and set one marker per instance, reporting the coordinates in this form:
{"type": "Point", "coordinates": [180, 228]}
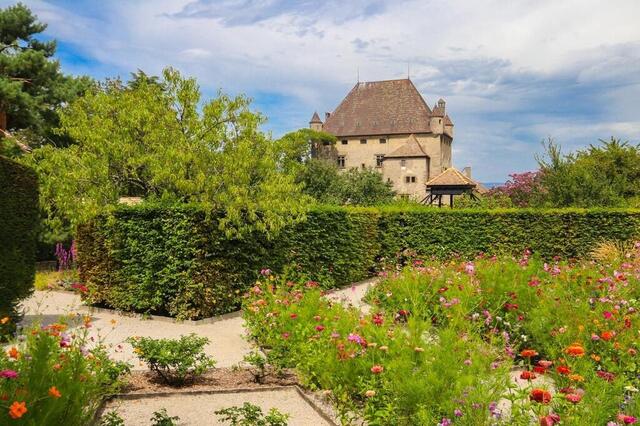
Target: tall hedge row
{"type": "Point", "coordinates": [18, 232]}
{"type": "Point", "coordinates": [175, 260]}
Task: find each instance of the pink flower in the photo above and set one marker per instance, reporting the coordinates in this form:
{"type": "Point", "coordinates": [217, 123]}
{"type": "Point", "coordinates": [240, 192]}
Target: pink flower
{"type": "Point", "coordinates": [470, 268]}
{"type": "Point", "coordinates": [9, 374]}
{"type": "Point", "coordinates": [319, 327]}
{"type": "Point", "coordinates": [607, 314]}
{"type": "Point", "coordinates": [285, 336]}
{"type": "Point", "coordinates": [377, 369]}
{"type": "Point", "coordinates": [627, 420]}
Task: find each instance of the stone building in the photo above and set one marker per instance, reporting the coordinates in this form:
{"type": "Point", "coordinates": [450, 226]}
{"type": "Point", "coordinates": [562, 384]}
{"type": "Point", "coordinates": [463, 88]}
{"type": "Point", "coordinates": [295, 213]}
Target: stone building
{"type": "Point", "coordinates": [388, 126]}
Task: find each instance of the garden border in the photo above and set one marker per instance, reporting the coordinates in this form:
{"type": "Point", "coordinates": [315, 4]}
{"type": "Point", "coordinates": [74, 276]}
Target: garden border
{"type": "Point", "coordinates": [329, 417]}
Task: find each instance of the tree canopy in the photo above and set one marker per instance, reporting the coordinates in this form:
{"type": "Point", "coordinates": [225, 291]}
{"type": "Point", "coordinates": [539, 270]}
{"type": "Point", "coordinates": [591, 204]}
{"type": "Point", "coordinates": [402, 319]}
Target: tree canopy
{"type": "Point", "coordinates": [157, 140]}
{"type": "Point", "coordinates": [32, 86]}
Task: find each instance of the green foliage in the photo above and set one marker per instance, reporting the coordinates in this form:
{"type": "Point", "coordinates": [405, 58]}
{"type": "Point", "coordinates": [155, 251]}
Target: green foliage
{"type": "Point", "coordinates": [161, 418]}
{"type": "Point", "coordinates": [31, 84]}
{"type": "Point", "coordinates": [251, 415]}
{"type": "Point", "coordinates": [18, 223]}
{"type": "Point", "coordinates": [175, 260]}
{"type": "Point", "coordinates": [158, 140]}
{"type": "Point", "coordinates": [298, 148]}
{"type": "Point", "coordinates": [174, 360]}
{"type": "Point", "coordinates": [601, 175]}
{"type": "Point", "coordinates": [364, 187]}
{"type": "Point", "coordinates": [321, 180]}
{"type": "Point", "coordinates": [55, 374]}
{"type": "Point", "coordinates": [112, 418]}
{"type": "Point", "coordinates": [258, 365]}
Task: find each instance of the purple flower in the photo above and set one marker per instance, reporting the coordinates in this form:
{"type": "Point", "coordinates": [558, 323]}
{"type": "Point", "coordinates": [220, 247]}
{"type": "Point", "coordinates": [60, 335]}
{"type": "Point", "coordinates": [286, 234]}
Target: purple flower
{"type": "Point", "coordinates": [265, 272]}
{"type": "Point", "coordinates": [9, 374]}
{"type": "Point", "coordinates": [470, 268]}
{"type": "Point", "coordinates": [355, 338]}
{"type": "Point", "coordinates": [445, 422]}
{"type": "Point", "coordinates": [65, 340]}
{"type": "Point", "coordinates": [457, 412]}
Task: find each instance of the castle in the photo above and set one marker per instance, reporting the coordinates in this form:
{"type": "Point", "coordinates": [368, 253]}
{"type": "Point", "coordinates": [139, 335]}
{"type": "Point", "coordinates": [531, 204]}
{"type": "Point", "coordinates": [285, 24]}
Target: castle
{"type": "Point", "coordinates": [388, 126]}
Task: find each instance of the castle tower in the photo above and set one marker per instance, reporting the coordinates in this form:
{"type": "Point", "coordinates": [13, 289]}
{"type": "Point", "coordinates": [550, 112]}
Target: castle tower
{"type": "Point", "coordinates": [438, 117]}
{"type": "Point", "coordinates": [315, 123]}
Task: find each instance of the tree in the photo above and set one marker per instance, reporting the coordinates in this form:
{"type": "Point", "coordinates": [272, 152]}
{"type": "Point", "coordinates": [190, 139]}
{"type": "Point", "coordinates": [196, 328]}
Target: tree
{"type": "Point", "coordinates": [365, 187]}
{"type": "Point", "coordinates": [32, 86]}
{"type": "Point", "coordinates": [158, 141]}
{"type": "Point", "coordinates": [301, 146]}
{"type": "Point", "coordinates": [601, 175]}
{"type": "Point", "coordinates": [321, 180]}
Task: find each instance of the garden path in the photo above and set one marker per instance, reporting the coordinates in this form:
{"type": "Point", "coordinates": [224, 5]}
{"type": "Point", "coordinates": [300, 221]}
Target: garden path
{"type": "Point", "coordinates": [354, 294]}
{"type": "Point", "coordinates": [227, 345]}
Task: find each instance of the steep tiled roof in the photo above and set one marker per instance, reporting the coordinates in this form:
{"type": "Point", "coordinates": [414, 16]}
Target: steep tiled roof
{"type": "Point", "coordinates": [380, 108]}
{"type": "Point", "coordinates": [447, 121]}
{"type": "Point", "coordinates": [315, 118]}
{"type": "Point", "coordinates": [451, 177]}
{"type": "Point", "coordinates": [411, 148]}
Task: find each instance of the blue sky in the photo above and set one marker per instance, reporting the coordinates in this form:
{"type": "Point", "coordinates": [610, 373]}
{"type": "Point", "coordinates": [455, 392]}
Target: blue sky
{"type": "Point", "coordinates": [512, 72]}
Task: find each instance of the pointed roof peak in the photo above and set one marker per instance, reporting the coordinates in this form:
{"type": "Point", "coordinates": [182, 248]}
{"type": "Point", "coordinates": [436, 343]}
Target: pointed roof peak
{"type": "Point", "coordinates": [451, 177]}
{"type": "Point", "coordinates": [411, 148]}
{"type": "Point", "coordinates": [315, 118]}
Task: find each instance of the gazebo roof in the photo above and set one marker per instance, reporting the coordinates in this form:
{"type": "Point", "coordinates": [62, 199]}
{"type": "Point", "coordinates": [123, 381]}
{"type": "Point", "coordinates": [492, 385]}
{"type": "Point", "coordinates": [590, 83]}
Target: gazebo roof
{"type": "Point", "coordinates": [451, 177]}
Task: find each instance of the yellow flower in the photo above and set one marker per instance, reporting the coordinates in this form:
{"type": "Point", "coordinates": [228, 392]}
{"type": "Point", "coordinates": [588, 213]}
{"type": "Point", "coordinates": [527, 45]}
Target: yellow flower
{"type": "Point", "coordinates": [595, 357]}
{"type": "Point", "coordinates": [581, 327]}
{"type": "Point", "coordinates": [576, 378]}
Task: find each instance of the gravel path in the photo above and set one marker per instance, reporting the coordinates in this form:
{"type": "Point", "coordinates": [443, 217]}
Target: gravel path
{"type": "Point", "coordinates": [226, 345]}
{"type": "Point", "coordinates": [352, 296]}
{"type": "Point", "coordinates": [193, 409]}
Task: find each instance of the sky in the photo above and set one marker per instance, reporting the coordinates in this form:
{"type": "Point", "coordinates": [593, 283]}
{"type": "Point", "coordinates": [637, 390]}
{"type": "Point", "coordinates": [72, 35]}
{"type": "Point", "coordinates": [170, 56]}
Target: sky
{"type": "Point", "coordinates": [513, 72]}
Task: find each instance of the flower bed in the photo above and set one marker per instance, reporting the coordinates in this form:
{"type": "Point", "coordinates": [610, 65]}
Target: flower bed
{"type": "Point", "coordinates": [55, 374]}
{"type": "Point", "coordinates": [442, 339]}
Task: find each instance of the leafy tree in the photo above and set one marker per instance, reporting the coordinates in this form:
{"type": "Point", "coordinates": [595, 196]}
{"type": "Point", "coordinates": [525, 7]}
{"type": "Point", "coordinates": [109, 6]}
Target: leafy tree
{"type": "Point", "coordinates": [32, 86]}
{"type": "Point", "coordinates": [365, 187]}
{"type": "Point", "coordinates": [321, 180]}
{"type": "Point", "coordinates": [158, 141]}
{"type": "Point", "coordinates": [301, 146]}
{"type": "Point", "coordinates": [600, 175]}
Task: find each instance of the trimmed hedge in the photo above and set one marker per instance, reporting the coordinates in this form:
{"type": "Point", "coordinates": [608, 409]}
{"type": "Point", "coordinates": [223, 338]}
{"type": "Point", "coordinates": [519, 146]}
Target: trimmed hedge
{"type": "Point", "coordinates": [175, 261]}
{"type": "Point", "coordinates": [19, 217]}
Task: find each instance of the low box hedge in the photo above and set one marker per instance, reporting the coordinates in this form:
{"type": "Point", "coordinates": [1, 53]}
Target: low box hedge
{"type": "Point", "coordinates": [175, 261]}
{"type": "Point", "coordinates": [19, 217]}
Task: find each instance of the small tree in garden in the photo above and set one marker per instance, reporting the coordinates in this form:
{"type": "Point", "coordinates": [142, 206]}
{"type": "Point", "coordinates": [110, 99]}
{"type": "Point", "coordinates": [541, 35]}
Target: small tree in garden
{"type": "Point", "coordinates": [251, 415]}
{"type": "Point", "coordinates": [174, 360]}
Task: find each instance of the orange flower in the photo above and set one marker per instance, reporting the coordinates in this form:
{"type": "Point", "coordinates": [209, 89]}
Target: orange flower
{"type": "Point", "coordinates": [4, 320]}
{"type": "Point", "coordinates": [528, 353]}
{"type": "Point", "coordinates": [563, 369]}
{"type": "Point", "coordinates": [56, 367]}
{"type": "Point", "coordinates": [575, 349]}
{"type": "Point", "coordinates": [17, 409]}
{"type": "Point", "coordinates": [13, 353]}
{"type": "Point", "coordinates": [54, 392]}
{"type": "Point", "coordinates": [607, 335]}
{"type": "Point", "coordinates": [527, 375]}
{"type": "Point", "coordinates": [595, 357]}
{"type": "Point", "coordinates": [576, 378]}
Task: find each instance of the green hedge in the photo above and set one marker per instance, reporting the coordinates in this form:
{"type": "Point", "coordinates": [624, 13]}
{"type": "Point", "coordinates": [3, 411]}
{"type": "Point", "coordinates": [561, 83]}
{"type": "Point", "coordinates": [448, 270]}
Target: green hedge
{"type": "Point", "coordinates": [175, 261]}
{"type": "Point", "coordinates": [19, 217]}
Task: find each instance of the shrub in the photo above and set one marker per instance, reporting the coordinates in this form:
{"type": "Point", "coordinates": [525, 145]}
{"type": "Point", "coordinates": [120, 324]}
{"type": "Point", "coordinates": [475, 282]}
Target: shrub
{"type": "Point", "coordinates": [258, 365]}
{"type": "Point", "coordinates": [174, 360]}
{"type": "Point", "coordinates": [18, 223]}
{"type": "Point", "coordinates": [175, 261]}
{"type": "Point", "coordinates": [49, 376]}
{"type": "Point", "coordinates": [251, 415]}
{"type": "Point", "coordinates": [161, 418]}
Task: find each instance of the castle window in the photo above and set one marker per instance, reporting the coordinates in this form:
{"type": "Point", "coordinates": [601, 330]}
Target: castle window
{"type": "Point", "coordinates": [344, 141]}
{"type": "Point", "coordinates": [364, 166]}
{"type": "Point", "coordinates": [410, 179]}
{"type": "Point", "coordinates": [403, 163]}
{"type": "Point", "coordinates": [341, 161]}
{"type": "Point", "coordinates": [383, 140]}
{"type": "Point", "coordinates": [363, 141]}
{"type": "Point", "coordinates": [379, 159]}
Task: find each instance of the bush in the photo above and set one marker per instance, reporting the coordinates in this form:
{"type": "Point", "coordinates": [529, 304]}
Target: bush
{"type": "Point", "coordinates": [175, 260]}
{"type": "Point", "coordinates": [251, 415]}
{"type": "Point", "coordinates": [174, 360]}
{"type": "Point", "coordinates": [18, 222]}
{"type": "Point", "coordinates": [48, 376]}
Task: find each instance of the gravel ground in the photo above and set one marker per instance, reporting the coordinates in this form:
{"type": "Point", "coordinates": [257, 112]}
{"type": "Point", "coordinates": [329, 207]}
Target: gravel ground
{"type": "Point", "coordinates": [199, 409]}
{"type": "Point", "coordinates": [226, 345]}
{"type": "Point", "coordinates": [353, 295]}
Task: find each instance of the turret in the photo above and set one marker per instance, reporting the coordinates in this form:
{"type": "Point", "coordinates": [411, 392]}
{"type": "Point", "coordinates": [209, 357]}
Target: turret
{"type": "Point", "coordinates": [438, 117]}
{"type": "Point", "coordinates": [315, 123]}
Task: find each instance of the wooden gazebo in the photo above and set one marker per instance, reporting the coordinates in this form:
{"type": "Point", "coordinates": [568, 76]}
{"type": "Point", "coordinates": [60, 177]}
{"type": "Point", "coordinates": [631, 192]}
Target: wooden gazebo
{"type": "Point", "coordinates": [449, 183]}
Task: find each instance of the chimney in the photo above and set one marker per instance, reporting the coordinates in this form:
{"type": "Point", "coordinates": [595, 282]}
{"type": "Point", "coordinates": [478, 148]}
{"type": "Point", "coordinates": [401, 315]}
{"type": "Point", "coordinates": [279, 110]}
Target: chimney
{"type": "Point", "coordinates": [467, 171]}
{"type": "Point", "coordinates": [327, 115]}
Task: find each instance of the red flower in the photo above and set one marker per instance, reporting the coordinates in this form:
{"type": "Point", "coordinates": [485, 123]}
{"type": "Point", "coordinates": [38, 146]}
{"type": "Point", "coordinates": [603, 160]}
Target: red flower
{"type": "Point", "coordinates": [540, 395]}
{"type": "Point", "coordinates": [563, 369]}
{"type": "Point", "coordinates": [319, 327]}
{"type": "Point", "coordinates": [539, 369]}
{"type": "Point", "coordinates": [377, 369]}
{"type": "Point", "coordinates": [627, 420]}
{"type": "Point", "coordinates": [378, 319]}
{"type": "Point", "coordinates": [293, 316]}
{"type": "Point", "coordinates": [607, 335]}
{"type": "Point", "coordinates": [549, 420]}
{"type": "Point", "coordinates": [606, 376]}
{"type": "Point", "coordinates": [528, 353]}
{"type": "Point", "coordinates": [527, 375]}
